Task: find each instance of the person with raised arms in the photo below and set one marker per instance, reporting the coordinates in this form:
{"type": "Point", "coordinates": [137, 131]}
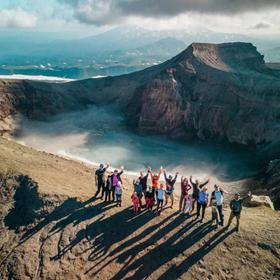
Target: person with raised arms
{"type": "Point", "coordinates": [170, 182]}
{"type": "Point", "coordinates": [197, 186]}
{"type": "Point", "coordinates": [155, 177]}
{"type": "Point", "coordinates": [202, 202]}
{"type": "Point", "coordinates": [143, 179]}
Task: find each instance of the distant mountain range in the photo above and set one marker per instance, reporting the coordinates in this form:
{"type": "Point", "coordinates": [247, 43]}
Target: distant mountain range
{"type": "Point", "coordinates": [118, 51]}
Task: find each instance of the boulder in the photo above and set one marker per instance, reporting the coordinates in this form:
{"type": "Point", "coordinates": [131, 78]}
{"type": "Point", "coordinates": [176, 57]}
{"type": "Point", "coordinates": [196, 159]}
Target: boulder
{"type": "Point", "coordinates": [260, 200]}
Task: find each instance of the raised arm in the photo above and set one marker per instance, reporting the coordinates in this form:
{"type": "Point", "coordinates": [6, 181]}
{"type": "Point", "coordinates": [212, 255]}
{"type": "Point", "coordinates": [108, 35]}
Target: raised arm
{"type": "Point", "coordinates": [106, 167]}
{"type": "Point", "coordinates": [204, 184]}
{"type": "Point", "coordinates": [151, 173]}
{"type": "Point", "coordinates": [165, 177]}
{"type": "Point", "coordinates": [160, 171]}
{"type": "Point", "coordinates": [248, 195]}
{"type": "Point", "coordinates": [146, 176]}
{"type": "Point", "coordinates": [121, 172]}
{"type": "Point", "coordinates": [149, 170]}
{"type": "Point", "coordinates": [191, 180]}
{"type": "Point", "coordinates": [223, 191]}
{"type": "Point", "coordinates": [175, 178]}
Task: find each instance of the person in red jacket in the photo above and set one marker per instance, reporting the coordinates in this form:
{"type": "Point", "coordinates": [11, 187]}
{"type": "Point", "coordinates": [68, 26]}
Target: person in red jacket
{"type": "Point", "coordinates": [155, 178]}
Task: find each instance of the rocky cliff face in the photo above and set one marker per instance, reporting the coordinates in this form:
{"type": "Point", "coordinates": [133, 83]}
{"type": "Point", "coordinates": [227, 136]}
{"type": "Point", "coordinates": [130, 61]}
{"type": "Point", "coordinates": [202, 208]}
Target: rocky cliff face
{"type": "Point", "coordinates": [222, 91]}
{"type": "Point", "coordinates": [212, 92]}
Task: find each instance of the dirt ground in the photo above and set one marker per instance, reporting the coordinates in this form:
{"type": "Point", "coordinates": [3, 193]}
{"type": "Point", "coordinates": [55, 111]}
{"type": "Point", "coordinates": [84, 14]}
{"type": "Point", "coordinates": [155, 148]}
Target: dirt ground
{"type": "Point", "coordinates": [51, 227]}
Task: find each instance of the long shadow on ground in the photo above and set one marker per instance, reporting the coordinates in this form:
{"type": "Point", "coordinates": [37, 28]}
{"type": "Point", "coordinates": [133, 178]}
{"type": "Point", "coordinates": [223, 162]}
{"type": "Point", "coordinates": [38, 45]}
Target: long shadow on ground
{"type": "Point", "coordinates": [27, 204]}
{"type": "Point", "coordinates": [155, 241]}
{"type": "Point", "coordinates": [71, 210]}
{"type": "Point", "coordinates": [177, 270]}
{"type": "Point", "coordinates": [165, 252]}
{"type": "Point", "coordinates": [104, 232]}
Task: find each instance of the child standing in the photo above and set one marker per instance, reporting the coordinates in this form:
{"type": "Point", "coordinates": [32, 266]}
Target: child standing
{"type": "Point", "coordinates": [160, 198]}
{"type": "Point", "coordinates": [136, 202]}
{"type": "Point", "coordinates": [188, 204]}
{"type": "Point", "coordinates": [150, 199]}
{"type": "Point", "coordinates": [118, 193]}
{"type": "Point", "coordinates": [138, 189]}
{"type": "Point", "coordinates": [214, 221]}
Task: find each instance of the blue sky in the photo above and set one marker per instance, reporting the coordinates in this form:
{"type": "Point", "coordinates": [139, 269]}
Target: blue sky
{"type": "Point", "coordinates": [87, 16]}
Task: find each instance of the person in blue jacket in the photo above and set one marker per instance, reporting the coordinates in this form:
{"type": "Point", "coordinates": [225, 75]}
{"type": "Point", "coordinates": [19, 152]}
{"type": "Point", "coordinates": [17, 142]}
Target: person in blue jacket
{"type": "Point", "coordinates": [202, 202]}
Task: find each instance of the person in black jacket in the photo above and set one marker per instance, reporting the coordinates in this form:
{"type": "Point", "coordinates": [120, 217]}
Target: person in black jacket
{"type": "Point", "coordinates": [170, 182]}
{"type": "Point", "coordinates": [143, 181]}
{"type": "Point", "coordinates": [197, 187]}
{"type": "Point", "coordinates": [236, 208]}
{"type": "Point", "coordinates": [100, 179]}
{"type": "Point", "coordinates": [108, 188]}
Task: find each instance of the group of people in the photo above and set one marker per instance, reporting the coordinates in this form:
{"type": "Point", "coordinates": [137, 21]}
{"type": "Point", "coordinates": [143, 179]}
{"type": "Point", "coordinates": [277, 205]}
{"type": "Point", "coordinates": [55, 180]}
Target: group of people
{"type": "Point", "coordinates": [159, 194]}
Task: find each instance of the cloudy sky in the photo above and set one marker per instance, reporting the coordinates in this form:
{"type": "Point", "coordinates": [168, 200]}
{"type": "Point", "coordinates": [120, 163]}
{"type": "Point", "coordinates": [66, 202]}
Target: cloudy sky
{"type": "Point", "coordinates": [260, 17]}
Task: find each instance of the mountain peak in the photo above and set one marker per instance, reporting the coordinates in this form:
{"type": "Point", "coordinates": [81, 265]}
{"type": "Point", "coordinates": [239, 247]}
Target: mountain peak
{"type": "Point", "coordinates": [227, 56]}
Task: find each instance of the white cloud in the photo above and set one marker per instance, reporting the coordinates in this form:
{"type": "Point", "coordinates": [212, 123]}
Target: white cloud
{"type": "Point", "coordinates": [97, 12]}
{"type": "Point", "coordinates": [100, 12]}
{"type": "Point", "coordinates": [17, 18]}
{"type": "Point", "coordinates": [240, 16]}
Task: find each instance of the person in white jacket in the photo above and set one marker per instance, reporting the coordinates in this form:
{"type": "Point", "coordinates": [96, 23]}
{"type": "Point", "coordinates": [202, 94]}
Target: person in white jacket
{"type": "Point", "coordinates": [118, 193]}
